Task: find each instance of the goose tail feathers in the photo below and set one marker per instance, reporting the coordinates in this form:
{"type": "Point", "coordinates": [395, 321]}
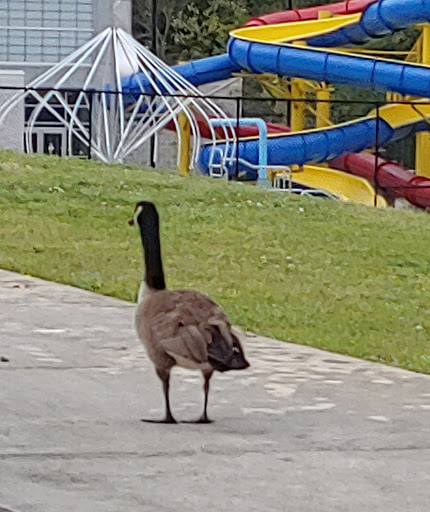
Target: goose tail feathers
{"type": "Point", "coordinates": [225, 356]}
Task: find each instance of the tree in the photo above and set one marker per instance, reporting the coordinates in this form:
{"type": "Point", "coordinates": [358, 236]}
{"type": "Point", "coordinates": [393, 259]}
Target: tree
{"type": "Point", "coordinates": [257, 7]}
{"type": "Point", "coordinates": [142, 23]}
{"type": "Point", "coordinates": [202, 28]}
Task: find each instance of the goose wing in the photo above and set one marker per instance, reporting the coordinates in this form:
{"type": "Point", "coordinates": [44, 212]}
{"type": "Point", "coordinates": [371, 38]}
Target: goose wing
{"type": "Point", "coordinates": [191, 328]}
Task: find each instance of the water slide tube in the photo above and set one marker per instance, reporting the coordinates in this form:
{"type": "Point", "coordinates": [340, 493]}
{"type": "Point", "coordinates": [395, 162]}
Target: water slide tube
{"type": "Point", "coordinates": [393, 178]}
{"type": "Point", "coordinates": [241, 131]}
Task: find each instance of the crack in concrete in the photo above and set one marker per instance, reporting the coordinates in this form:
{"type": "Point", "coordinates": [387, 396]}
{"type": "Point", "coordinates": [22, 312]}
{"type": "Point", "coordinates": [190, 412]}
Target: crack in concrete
{"type": "Point", "coordinates": [50, 368]}
{"type": "Point", "coordinates": [206, 450]}
{"type": "Point", "coordinates": [94, 455]}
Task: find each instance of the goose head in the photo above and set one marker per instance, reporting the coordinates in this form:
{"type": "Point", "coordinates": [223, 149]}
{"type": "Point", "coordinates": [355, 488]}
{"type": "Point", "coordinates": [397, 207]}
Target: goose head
{"type": "Point", "coordinates": [143, 209]}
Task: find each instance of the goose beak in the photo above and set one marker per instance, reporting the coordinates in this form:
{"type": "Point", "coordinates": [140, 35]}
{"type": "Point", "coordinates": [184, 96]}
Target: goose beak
{"type": "Point", "coordinates": [131, 222]}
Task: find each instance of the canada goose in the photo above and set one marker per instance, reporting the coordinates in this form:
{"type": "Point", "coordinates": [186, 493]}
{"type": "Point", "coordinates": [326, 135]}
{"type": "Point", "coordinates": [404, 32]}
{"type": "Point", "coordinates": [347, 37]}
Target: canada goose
{"type": "Point", "coordinates": [179, 327]}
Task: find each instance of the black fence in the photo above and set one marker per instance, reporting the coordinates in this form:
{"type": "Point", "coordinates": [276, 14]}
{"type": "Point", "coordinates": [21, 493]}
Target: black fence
{"type": "Point", "coordinates": [386, 132]}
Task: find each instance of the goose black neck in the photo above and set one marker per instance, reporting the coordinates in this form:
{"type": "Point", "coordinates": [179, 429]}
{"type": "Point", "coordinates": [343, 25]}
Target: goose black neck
{"type": "Point", "coordinates": [150, 234]}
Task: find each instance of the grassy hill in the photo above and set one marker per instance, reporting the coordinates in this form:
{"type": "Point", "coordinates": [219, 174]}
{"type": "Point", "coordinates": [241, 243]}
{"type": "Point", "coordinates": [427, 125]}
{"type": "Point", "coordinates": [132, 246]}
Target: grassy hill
{"type": "Point", "coordinates": [344, 278]}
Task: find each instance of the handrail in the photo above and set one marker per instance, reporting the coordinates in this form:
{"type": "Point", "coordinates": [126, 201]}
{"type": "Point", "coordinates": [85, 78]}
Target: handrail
{"type": "Point", "coordinates": [262, 139]}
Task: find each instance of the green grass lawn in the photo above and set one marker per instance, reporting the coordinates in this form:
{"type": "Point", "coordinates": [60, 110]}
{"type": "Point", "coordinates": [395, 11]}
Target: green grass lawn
{"type": "Point", "coordinates": [344, 278]}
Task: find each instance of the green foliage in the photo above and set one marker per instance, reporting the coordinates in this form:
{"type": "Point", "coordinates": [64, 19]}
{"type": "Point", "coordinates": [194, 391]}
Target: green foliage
{"type": "Point", "coordinates": [342, 112]}
{"type": "Point", "coordinates": [257, 7]}
{"type": "Point", "coordinates": [401, 41]}
{"type": "Point", "coordinates": [340, 277]}
{"type": "Point", "coordinates": [142, 24]}
{"type": "Point", "coordinates": [202, 28]}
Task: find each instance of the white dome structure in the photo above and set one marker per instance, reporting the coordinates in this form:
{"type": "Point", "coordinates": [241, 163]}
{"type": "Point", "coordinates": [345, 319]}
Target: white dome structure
{"type": "Point", "coordinates": [107, 119]}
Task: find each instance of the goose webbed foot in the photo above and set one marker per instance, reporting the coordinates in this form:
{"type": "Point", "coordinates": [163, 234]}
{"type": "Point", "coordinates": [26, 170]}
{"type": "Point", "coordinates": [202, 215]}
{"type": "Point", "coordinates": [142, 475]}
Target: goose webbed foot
{"type": "Point", "coordinates": [167, 420]}
{"type": "Point", "coordinates": [204, 420]}
{"type": "Point", "coordinates": [164, 375]}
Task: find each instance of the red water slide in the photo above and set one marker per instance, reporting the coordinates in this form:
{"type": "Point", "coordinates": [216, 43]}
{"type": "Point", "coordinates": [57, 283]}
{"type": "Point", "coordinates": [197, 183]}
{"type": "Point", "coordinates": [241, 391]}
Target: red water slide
{"type": "Point", "coordinates": [311, 13]}
{"type": "Point", "coordinates": [392, 178]}
{"type": "Point", "coordinates": [243, 131]}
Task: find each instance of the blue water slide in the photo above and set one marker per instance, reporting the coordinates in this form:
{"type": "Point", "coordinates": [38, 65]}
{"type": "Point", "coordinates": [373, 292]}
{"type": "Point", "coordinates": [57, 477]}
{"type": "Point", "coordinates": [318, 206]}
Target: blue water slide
{"type": "Point", "coordinates": [313, 146]}
{"type": "Point", "coordinates": [199, 72]}
{"type": "Point", "coordinates": [379, 19]}
{"type": "Point", "coordinates": [338, 68]}
{"type": "Point", "coordinates": [303, 147]}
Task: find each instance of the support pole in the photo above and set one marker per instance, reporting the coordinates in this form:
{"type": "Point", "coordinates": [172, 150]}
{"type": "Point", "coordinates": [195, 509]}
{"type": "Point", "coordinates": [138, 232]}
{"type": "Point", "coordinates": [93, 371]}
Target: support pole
{"type": "Point", "coordinates": [185, 144]}
{"type": "Point", "coordinates": [324, 91]}
{"type": "Point", "coordinates": [154, 49]}
{"type": "Point", "coordinates": [298, 108]}
{"type": "Point", "coordinates": [323, 105]}
{"type": "Point", "coordinates": [422, 141]}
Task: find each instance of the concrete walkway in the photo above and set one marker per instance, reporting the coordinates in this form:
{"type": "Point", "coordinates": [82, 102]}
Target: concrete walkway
{"type": "Point", "coordinates": [303, 430]}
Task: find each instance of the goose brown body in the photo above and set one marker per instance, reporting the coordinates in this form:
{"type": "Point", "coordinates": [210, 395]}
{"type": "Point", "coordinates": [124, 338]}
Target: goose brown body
{"type": "Point", "coordinates": [180, 327]}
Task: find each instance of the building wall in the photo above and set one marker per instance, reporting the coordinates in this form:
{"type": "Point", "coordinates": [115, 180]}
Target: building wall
{"type": "Point", "coordinates": [12, 129]}
{"type": "Point", "coordinates": [36, 34]}
{"type": "Point", "coordinates": [110, 13]}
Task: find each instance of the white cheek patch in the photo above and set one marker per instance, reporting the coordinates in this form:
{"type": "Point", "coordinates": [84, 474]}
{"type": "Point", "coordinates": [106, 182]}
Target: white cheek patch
{"type": "Point", "coordinates": [136, 215]}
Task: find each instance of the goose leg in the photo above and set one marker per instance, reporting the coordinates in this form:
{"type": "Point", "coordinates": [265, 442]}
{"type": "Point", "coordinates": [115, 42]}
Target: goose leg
{"type": "Point", "coordinates": [204, 418]}
{"type": "Point", "coordinates": [165, 378]}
